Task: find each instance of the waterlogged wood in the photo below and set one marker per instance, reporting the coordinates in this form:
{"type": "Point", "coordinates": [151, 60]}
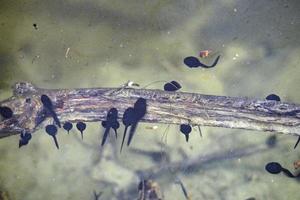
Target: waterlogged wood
{"type": "Point", "coordinates": [92, 104]}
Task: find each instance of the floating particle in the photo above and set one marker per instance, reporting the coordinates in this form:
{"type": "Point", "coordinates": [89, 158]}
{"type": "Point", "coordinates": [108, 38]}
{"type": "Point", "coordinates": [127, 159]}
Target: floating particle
{"type": "Point", "coordinates": [204, 53]}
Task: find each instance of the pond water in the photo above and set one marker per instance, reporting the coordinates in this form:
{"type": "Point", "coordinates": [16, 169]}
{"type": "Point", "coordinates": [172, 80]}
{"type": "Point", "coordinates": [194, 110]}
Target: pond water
{"type": "Point", "coordinates": [81, 44]}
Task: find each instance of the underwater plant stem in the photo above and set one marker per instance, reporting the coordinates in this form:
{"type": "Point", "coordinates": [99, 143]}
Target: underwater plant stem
{"type": "Point", "coordinates": [92, 104]}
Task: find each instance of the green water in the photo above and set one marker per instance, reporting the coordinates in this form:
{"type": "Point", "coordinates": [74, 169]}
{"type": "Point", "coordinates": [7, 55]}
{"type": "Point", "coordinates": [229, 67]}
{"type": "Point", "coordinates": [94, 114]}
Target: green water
{"type": "Point", "coordinates": [111, 42]}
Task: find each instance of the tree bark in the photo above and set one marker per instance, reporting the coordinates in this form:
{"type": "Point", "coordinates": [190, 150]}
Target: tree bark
{"type": "Point", "coordinates": [92, 104]}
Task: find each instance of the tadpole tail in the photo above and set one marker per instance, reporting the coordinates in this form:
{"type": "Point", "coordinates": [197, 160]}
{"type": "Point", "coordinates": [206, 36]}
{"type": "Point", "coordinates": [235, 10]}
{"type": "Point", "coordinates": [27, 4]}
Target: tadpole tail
{"type": "Point", "coordinates": [20, 143]}
{"type": "Point", "coordinates": [297, 142]}
{"type": "Point", "coordinates": [55, 118]}
{"type": "Point", "coordinates": [116, 134]}
{"type": "Point", "coordinates": [288, 173]}
{"type": "Point", "coordinates": [131, 133]}
{"type": "Point", "coordinates": [105, 136]}
{"type": "Point", "coordinates": [186, 137]}
{"type": "Point", "coordinates": [55, 141]}
{"type": "Point", "coordinates": [210, 66]}
{"type": "Point", "coordinates": [124, 135]}
{"type": "Point", "coordinates": [81, 135]}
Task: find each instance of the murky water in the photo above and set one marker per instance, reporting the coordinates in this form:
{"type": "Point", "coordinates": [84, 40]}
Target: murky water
{"type": "Point", "coordinates": [104, 44]}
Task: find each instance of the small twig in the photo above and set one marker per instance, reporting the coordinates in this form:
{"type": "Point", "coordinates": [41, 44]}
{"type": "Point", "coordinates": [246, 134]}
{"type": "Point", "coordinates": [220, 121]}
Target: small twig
{"type": "Point", "coordinates": [92, 104]}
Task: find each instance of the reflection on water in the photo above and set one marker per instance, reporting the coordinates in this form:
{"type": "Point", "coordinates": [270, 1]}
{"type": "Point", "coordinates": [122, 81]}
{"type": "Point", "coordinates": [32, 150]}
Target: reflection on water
{"type": "Point", "coordinates": [66, 44]}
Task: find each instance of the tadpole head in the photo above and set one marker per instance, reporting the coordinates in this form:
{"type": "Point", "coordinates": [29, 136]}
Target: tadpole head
{"type": "Point", "coordinates": [112, 114]}
{"type": "Point", "coordinates": [191, 62]}
{"type": "Point", "coordinates": [273, 97]}
{"type": "Point", "coordinates": [128, 116]}
{"type": "Point", "coordinates": [170, 87]}
{"type": "Point", "coordinates": [6, 112]}
{"type": "Point", "coordinates": [67, 126]}
{"type": "Point", "coordinates": [46, 100]}
{"type": "Point", "coordinates": [273, 168]}
{"type": "Point", "coordinates": [185, 128]}
{"type": "Point", "coordinates": [81, 126]}
{"type": "Point", "coordinates": [51, 129]}
{"type": "Point", "coordinates": [140, 108]}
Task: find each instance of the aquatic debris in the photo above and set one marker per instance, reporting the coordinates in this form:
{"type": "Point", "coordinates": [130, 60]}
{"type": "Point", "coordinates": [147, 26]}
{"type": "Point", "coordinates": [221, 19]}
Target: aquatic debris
{"type": "Point", "coordinates": [128, 120]}
{"type": "Point", "coordinates": [81, 126]}
{"type": "Point", "coordinates": [24, 139]}
{"type": "Point", "coordinates": [68, 126]}
{"type": "Point", "coordinates": [139, 111]}
{"type": "Point", "coordinates": [178, 181]}
{"type": "Point", "coordinates": [47, 103]}
{"type": "Point", "coordinates": [185, 129]}
{"type": "Point", "coordinates": [67, 52]}
{"type": "Point", "coordinates": [149, 190]}
{"type": "Point", "coordinates": [6, 112]}
{"type": "Point", "coordinates": [52, 131]}
{"type": "Point", "coordinates": [297, 164]}
{"type": "Point", "coordinates": [194, 62]}
{"type": "Point", "coordinates": [276, 168]}
{"type": "Point", "coordinates": [204, 53]}
{"type": "Point", "coordinates": [172, 86]}
{"type": "Point", "coordinates": [273, 97]}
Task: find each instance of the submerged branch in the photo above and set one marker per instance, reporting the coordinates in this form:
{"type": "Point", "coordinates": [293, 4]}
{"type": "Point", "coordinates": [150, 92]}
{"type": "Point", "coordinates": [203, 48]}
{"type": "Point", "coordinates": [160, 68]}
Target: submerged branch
{"type": "Point", "coordinates": [92, 104]}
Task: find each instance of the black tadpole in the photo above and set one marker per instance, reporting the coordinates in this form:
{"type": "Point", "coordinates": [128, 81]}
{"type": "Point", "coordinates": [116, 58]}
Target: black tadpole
{"type": "Point", "coordinates": [6, 112]}
{"type": "Point", "coordinates": [273, 97]}
{"type": "Point", "coordinates": [172, 86]}
{"type": "Point", "coordinates": [139, 111]}
{"type": "Point", "coordinates": [185, 129]}
{"type": "Point", "coordinates": [128, 119]}
{"type": "Point", "coordinates": [194, 62]}
{"type": "Point", "coordinates": [115, 126]}
{"type": "Point", "coordinates": [24, 139]}
{"type": "Point", "coordinates": [276, 168]}
{"type": "Point", "coordinates": [52, 131]}
{"type": "Point", "coordinates": [68, 126]}
{"type": "Point", "coordinates": [47, 103]}
{"type": "Point", "coordinates": [81, 127]}
{"type": "Point", "coordinates": [111, 122]}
